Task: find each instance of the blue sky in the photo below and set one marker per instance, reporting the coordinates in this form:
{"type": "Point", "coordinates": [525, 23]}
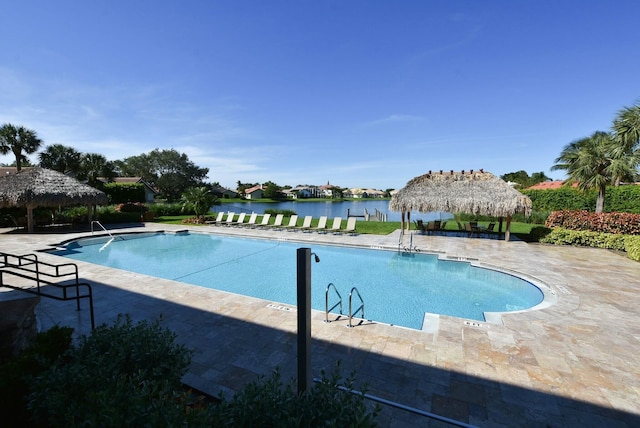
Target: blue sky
{"type": "Point", "coordinates": [355, 93]}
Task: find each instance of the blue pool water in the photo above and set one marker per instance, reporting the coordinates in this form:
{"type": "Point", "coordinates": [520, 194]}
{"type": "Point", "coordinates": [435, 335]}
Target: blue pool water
{"type": "Point", "coordinates": [397, 288]}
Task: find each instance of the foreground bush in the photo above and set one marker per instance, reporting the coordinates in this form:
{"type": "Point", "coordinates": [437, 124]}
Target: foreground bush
{"type": "Point", "coordinates": [122, 375]}
{"type": "Point", "coordinates": [128, 375]}
{"type": "Point", "coordinates": [270, 403]}
{"type": "Point", "coordinates": [17, 374]}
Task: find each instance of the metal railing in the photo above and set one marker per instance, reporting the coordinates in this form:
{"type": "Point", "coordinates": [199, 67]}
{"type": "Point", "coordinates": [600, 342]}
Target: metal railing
{"type": "Point", "coordinates": [360, 309]}
{"type": "Point", "coordinates": [328, 309]}
{"type": "Point", "coordinates": [402, 406]}
{"type": "Point", "coordinates": [45, 274]}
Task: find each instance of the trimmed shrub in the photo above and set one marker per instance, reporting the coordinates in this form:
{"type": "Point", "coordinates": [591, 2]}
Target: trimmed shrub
{"type": "Point", "coordinates": [273, 211]}
{"type": "Point", "coordinates": [620, 223]}
{"type": "Point", "coordinates": [132, 207]}
{"type": "Point", "coordinates": [160, 209]}
{"type": "Point", "coordinates": [561, 236]}
{"type": "Point", "coordinates": [632, 247]}
{"type": "Point", "coordinates": [124, 192]}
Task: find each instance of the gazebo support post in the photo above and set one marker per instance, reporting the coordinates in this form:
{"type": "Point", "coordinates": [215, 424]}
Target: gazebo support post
{"type": "Point", "coordinates": [408, 221]}
{"type": "Point", "coordinates": [507, 233]}
{"type": "Point", "coordinates": [500, 226]}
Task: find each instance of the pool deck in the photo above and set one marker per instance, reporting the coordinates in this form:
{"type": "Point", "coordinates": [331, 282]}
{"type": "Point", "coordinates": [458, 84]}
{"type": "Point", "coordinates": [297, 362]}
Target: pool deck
{"type": "Point", "coordinates": [574, 363]}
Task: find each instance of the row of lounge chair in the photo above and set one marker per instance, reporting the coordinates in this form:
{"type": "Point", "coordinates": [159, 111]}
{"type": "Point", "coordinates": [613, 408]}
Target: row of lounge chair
{"type": "Point", "coordinates": [322, 226]}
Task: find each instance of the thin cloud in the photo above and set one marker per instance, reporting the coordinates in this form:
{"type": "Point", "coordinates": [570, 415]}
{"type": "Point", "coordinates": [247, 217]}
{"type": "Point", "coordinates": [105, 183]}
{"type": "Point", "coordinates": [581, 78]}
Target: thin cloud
{"type": "Point", "coordinates": [395, 118]}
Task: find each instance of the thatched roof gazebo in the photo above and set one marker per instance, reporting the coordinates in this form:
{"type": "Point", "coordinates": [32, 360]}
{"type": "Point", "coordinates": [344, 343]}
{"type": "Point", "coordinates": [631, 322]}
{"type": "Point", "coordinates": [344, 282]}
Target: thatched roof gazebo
{"type": "Point", "coordinates": [39, 187]}
{"type": "Point", "coordinates": [474, 192]}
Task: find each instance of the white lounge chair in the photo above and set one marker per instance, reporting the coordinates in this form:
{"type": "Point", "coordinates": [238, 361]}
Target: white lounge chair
{"type": "Point", "coordinates": [293, 222]}
{"type": "Point", "coordinates": [230, 218]}
{"type": "Point", "coordinates": [306, 223]}
{"type": "Point", "coordinates": [265, 220]}
{"type": "Point", "coordinates": [322, 225]}
{"type": "Point", "coordinates": [218, 219]}
{"type": "Point", "coordinates": [351, 226]}
{"type": "Point", "coordinates": [335, 227]}
{"type": "Point", "coordinates": [240, 220]}
{"type": "Point", "coordinates": [277, 223]}
{"type": "Point", "coordinates": [252, 220]}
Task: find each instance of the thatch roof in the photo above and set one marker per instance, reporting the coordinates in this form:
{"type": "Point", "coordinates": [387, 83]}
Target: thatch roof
{"type": "Point", "coordinates": [40, 187]}
{"type": "Point", "coordinates": [474, 192]}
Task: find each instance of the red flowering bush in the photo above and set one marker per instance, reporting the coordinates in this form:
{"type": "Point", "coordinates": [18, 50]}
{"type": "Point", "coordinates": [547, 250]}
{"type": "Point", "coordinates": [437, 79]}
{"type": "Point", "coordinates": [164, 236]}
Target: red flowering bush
{"type": "Point", "coordinates": [132, 207]}
{"type": "Point", "coordinates": [618, 223]}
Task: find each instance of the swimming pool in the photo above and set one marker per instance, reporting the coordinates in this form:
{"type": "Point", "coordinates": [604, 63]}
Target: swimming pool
{"type": "Point", "coordinates": [397, 288]}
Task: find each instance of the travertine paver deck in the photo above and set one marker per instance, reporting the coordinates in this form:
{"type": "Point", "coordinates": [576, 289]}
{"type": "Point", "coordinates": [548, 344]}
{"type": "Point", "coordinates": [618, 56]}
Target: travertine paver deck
{"type": "Point", "coordinates": [575, 363]}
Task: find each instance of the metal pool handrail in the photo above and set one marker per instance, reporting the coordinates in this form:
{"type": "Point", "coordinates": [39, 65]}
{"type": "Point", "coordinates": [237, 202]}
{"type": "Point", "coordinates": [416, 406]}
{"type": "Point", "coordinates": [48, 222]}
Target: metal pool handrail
{"type": "Point", "coordinates": [361, 308]}
{"type": "Point", "coordinates": [326, 301]}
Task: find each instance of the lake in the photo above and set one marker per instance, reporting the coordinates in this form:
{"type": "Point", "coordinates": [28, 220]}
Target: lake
{"type": "Point", "coordinates": [330, 209]}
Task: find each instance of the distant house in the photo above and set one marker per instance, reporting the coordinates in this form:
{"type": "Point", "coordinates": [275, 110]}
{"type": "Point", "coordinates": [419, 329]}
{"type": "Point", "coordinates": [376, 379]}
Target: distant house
{"type": "Point", "coordinates": [254, 192]}
{"type": "Point", "coordinates": [223, 192]}
{"type": "Point", "coordinates": [327, 190]}
{"type": "Point", "coordinates": [549, 185]}
{"type": "Point", "coordinates": [302, 192]}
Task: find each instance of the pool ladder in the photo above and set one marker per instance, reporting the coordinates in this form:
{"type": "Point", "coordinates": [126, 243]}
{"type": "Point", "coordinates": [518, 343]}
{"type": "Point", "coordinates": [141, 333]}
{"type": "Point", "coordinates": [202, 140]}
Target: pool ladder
{"type": "Point", "coordinates": [354, 291]}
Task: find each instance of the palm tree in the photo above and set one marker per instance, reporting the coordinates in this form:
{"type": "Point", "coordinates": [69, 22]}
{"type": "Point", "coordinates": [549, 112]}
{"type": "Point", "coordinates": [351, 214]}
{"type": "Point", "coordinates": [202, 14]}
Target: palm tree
{"type": "Point", "coordinates": [626, 140]}
{"type": "Point", "coordinates": [199, 199]}
{"type": "Point", "coordinates": [626, 127]}
{"type": "Point", "coordinates": [94, 165]}
{"type": "Point", "coordinates": [588, 162]}
{"type": "Point", "coordinates": [60, 158]}
{"type": "Point", "coordinates": [18, 139]}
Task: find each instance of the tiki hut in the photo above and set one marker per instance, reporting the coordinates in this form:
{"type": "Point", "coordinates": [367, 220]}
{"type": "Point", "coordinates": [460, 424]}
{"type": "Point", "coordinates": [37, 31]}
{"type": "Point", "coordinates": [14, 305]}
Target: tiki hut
{"type": "Point", "coordinates": [474, 192]}
{"type": "Point", "coordinates": [40, 187]}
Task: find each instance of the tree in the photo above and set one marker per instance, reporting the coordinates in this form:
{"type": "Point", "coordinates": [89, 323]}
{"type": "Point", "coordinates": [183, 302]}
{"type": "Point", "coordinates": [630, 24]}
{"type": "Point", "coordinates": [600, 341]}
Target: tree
{"type": "Point", "coordinates": [625, 153]}
{"type": "Point", "coordinates": [170, 172]}
{"type": "Point", "coordinates": [18, 139]}
{"type": "Point", "coordinates": [626, 127]}
{"type": "Point", "coordinates": [588, 162]}
{"type": "Point", "coordinates": [523, 179]}
{"type": "Point", "coordinates": [94, 165]}
{"type": "Point", "coordinates": [271, 191]}
{"type": "Point", "coordinates": [199, 199]}
{"type": "Point", "coordinates": [61, 158]}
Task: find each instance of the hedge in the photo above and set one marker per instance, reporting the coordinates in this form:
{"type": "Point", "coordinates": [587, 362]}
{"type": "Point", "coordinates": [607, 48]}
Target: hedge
{"type": "Point", "coordinates": [124, 192]}
{"type": "Point", "coordinates": [619, 223]}
{"type": "Point", "coordinates": [617, 199]}
{"type": "Point", "coordinates": [561, 236]}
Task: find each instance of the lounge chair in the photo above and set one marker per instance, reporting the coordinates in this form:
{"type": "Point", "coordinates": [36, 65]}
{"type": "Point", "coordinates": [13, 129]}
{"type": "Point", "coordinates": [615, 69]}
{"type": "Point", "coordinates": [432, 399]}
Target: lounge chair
{"type": "Point", "coordinates": [252, 220]}
{"type": "Point", "coordinates": [351, 226]}
{"type": "Point", "coordinates": [265, 220]}
{"type": "Point", "coordinates": [218, 219]}
{"type": "Point", "coordinates": [293, 222]}
{"type": "Point", "coordinates": [322, 225]}
{"type": "Point", "coordinates": [239, 221]}
{"type": "Point", "coordinates": [337, 223]}
{"type": "Point", "coordinates": [306, 223]}
{"type": "Point", "coordinates": [431, 227]}
{"type": "Point", "coordinates": [230, 218]}
{"type": "Point", "coordinates": [277, 223]}
{"type": "Point", "coordinates": [420, 227]}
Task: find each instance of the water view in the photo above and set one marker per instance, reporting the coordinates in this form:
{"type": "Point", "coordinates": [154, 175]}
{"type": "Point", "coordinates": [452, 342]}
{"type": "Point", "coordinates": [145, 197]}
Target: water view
{"type": "Point", "coordinates": [331, 209]}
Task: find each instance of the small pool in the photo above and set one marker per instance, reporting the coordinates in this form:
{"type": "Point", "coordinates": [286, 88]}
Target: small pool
{"type": "Point", "coordinates": [397, 288]}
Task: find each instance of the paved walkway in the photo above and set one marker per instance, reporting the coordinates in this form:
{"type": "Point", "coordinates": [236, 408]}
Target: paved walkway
{"type": "Point", "coordinates": [573, 363]}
